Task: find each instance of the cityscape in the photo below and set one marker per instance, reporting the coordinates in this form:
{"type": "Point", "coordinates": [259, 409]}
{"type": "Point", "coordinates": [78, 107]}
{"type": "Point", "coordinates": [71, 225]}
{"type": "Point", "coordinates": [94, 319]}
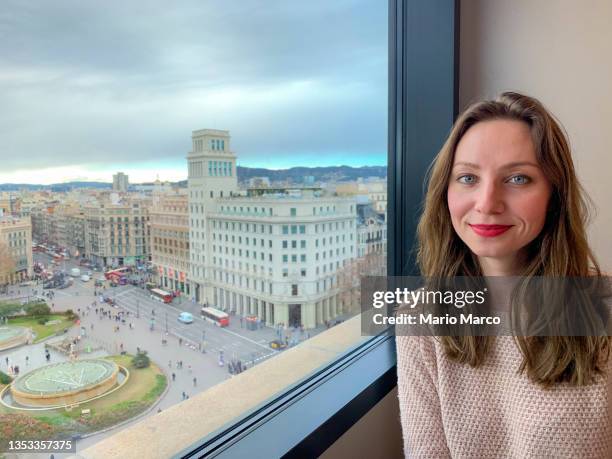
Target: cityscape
{"type": "Point", "coordinates": [189, 196]}
{"type": "Point", "coordinates": [202, 278]}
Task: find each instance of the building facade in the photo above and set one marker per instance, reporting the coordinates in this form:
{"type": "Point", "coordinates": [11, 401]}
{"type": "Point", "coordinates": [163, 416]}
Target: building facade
{"type": "Point", "coordinates": [274, 255]}
{"type": "Point", "coordinates": [120, 182]}
{"type": "Point", "coordinates": [117, 232]}
{"type": "Point", "coordinates": [15, 249]}
{"type": "Point", "coordinates": [277, 256]}
{"type": "Point", "coordinates": [169, 223]}
{"type": "Point", "coordinates": [211, 175]}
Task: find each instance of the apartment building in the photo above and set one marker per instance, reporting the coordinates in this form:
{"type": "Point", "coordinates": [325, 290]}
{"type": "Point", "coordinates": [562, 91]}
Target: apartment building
{"type": "Point", "coordinates": [10, 204]}
{"type": "Point", "coordinates": [371, 230]}
{"type": "Point", "coordinates": [117, 231]}
{"type": "Point", "coordinates": [15, 249]}
{"type": "Point", "coordinates": [120, 182]}
{"type": "Point", "coordinates": [61, 224]}
{"type": "Point", "coordinates": [374, 189]}
{"type": "Point", "coordinates": [169, 223]}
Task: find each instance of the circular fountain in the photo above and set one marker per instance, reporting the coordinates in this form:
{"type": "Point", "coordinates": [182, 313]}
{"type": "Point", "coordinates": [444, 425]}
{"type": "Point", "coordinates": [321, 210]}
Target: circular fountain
{"type": "Point", "coordinates": [13, 336]}
{"type": "Point", "coordinates": [65, 383]}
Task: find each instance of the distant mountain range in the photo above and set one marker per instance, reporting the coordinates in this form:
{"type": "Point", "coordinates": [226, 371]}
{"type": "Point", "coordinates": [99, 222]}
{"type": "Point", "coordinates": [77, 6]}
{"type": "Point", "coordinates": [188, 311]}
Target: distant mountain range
{"type": "Point", "coordinates": [294, 175]}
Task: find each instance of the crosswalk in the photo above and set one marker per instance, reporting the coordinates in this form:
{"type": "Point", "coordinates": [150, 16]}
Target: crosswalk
{"type": "Point", "coordinates": [165, 319]}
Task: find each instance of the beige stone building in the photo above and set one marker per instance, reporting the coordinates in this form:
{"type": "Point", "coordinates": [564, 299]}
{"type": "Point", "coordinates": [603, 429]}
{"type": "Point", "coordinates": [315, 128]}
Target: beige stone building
{"type": "Point", "coordinates": [169, 222]}
{"type": "Point", "coordinates": [60, 224]}
{"type": "Point", "coordinates": [117, 231]}
{"type": "Point", "coordinates": [10, 204]}
{"type": "Point", "coordinates": [15, 249]}
{"type": "Point", "coordinates": [375, 190]}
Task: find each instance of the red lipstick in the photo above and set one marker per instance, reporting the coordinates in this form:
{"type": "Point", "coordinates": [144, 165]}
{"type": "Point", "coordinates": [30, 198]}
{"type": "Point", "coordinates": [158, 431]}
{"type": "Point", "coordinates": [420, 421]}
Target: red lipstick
{"type": "Point", "coordinates": [490, 230]}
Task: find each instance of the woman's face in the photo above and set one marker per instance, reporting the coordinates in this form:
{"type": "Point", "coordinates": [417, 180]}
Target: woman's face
{"type": "Point", "coordinates": [497, 193]}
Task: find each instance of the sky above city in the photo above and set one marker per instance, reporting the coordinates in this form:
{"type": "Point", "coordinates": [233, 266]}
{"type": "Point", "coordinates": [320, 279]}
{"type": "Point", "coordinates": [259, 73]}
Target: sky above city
{"type": "Point", "coordinates": [91, 88]}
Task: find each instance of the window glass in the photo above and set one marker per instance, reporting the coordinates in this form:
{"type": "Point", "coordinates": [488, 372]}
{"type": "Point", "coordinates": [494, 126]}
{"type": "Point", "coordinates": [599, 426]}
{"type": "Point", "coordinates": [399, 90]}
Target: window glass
{"type": "Point", "coordinates": [240, 113]}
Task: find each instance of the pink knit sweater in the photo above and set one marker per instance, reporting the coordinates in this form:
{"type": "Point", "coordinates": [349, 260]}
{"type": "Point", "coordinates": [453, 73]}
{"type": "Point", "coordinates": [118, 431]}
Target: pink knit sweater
{"type": "Point", "coordinates": [453, 410]}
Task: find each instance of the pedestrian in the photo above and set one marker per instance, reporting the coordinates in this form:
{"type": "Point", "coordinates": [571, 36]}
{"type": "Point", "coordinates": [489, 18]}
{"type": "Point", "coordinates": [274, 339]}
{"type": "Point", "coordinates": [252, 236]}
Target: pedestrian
{"type": "Point", "coordinates": [189, 368]}
{"type": "Point", "coordinates": [6, 359]}
{"type": "Point", "coordinates": [184, 395]}
{"type": "Point", "coordinates": [91, 326]}
{"type": "Point", "coordinates": [27, 359]}
{"type": "Point", "coordinates": [173, 377]}
{"type": "Point", "coordinates": [180, 341]}
{"type": "Point", "coordinates": [195, 381]}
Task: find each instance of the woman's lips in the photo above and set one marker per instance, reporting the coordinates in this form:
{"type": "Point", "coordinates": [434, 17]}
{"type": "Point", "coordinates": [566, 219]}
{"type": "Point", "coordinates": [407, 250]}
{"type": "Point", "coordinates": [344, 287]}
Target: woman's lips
{"type": "Point", "coordinates": [490, 230]}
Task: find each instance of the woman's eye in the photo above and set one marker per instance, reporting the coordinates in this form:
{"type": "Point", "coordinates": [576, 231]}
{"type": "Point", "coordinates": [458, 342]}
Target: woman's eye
{"type": "Point", "coordinates": [519, 179]}
{"type": "Point", "coordinates": [467, 179]}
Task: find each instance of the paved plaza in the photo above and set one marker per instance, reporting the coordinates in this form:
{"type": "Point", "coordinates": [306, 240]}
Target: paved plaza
{"type": "Point", "coordinates": [153, 326]}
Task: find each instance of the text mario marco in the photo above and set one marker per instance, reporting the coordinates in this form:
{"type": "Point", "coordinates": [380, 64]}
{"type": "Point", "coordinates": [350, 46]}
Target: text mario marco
{"type": "Point", "coordinates": [410, 298]}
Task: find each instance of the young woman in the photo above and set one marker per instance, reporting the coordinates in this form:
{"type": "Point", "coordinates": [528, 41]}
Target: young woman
{"type": "Point", "coordinates": [503, 200]}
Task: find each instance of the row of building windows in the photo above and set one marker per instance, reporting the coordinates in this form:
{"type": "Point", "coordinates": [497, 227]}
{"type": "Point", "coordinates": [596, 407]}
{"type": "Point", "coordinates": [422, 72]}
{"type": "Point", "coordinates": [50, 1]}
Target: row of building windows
{"type": "Point", "coordinates": [249, 227]}
{"type": "Point", "coordinates": [259, 285]}
{"type": "Point", "coordinates": [220, 168]}
{"type": "Point", "coordinates": [324, 268]}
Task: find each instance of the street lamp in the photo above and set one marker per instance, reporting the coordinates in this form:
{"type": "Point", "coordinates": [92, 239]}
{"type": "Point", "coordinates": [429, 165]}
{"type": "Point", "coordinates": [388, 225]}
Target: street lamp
{"type": "Point", "coordinates": [138, 309]}
{"type": "Point", "coordinates": [166, 321]}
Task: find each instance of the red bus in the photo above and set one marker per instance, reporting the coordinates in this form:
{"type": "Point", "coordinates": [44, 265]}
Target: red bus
{"type": "Point", "coordinates": [116, 274]}
{"type": "Point", "coordinates": [161, 295]}
{"type": "Point", "coordinates": [215, 316]}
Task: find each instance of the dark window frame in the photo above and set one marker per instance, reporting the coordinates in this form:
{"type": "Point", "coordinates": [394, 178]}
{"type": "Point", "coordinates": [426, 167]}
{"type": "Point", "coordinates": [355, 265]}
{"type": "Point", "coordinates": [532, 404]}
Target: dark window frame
{"type": "Point", "coordinates": [310, 415]}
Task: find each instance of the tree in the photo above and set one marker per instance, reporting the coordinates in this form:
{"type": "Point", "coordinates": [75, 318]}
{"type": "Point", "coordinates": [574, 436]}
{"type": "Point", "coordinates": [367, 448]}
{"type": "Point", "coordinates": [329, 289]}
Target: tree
{"type": "Point", "coordinates": [7, 263]}
{"type": "Point", "coordinates": [141, 360]}
{"type": "Point", "coordinates": [9, 309]}
{"type": "Point", "coordinates": [349, 279]}
{"type": "Point", "coordinates": [37, 309]}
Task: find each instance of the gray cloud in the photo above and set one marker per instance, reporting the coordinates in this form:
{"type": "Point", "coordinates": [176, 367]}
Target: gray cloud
{"type": "Point", "coordinates": [80, 81]}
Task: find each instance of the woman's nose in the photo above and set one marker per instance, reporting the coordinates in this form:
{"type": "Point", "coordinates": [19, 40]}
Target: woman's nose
{"type": "Point", "coordinates": [489, 198]}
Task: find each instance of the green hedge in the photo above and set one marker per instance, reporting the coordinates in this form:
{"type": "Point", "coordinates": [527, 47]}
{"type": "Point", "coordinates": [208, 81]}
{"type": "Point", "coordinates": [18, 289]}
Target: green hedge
{"type": "Point", "coordinates": [4, 378]}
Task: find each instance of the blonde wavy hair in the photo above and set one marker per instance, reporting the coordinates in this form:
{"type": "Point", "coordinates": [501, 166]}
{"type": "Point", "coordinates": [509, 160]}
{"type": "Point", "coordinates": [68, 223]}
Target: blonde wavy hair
{"type": "Point", "coordinates": [561, 249]}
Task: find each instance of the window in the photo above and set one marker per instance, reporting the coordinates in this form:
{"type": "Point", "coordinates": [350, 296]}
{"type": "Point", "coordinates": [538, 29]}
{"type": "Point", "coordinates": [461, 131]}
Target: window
{"type": "Point", "coordinates": [266, 306]}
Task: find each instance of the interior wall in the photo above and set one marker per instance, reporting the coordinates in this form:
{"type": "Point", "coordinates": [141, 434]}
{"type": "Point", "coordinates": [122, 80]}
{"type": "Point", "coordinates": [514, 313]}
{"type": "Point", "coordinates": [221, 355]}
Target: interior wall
{"type": "Point", "coordinates": [559, 51]}
{"type": "Point", "coordinates": [377, 435]}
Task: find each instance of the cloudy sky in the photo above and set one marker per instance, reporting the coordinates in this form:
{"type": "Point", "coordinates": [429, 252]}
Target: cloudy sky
{"type": "Point", "coordinates": [92, 87]}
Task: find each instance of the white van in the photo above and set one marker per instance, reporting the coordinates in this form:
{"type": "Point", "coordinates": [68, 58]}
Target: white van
{"type": "Point", "coordinates": [75, 272]}
{"type": "Point", "coordinates": [85, 278]}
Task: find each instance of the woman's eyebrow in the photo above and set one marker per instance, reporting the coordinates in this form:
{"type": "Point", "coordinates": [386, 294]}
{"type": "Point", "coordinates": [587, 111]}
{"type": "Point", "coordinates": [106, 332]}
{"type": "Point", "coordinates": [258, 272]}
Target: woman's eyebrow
{"type": "Point", "coordinates": [505, 166]}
